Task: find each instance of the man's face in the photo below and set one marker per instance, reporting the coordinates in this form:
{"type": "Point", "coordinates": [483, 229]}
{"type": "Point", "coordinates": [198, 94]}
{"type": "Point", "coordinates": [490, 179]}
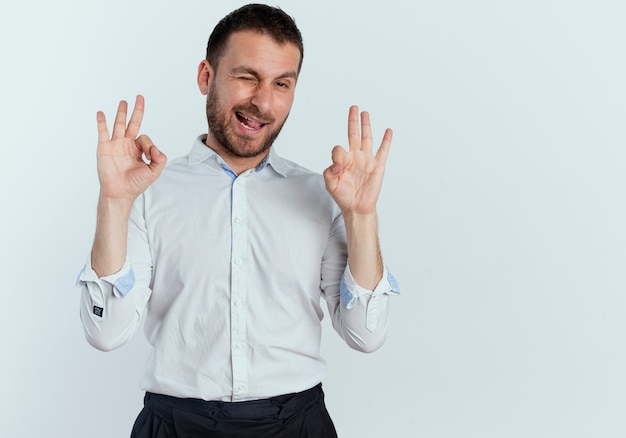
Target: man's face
{"type": "Point", "coordinates": [250, 95]}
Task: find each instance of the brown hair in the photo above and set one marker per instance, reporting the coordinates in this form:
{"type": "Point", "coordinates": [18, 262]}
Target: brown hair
{"type": "Point", "coordinates": [272, 21]}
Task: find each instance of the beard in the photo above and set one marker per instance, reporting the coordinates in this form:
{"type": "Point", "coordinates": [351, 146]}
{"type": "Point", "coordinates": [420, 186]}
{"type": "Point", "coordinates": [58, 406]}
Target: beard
{"type": "Point", "coordinates": [238, 144]}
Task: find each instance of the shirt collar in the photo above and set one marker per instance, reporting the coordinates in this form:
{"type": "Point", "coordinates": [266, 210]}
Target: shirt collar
{"type": "Point", "coordinates": [201, 152]}
{"type": "Point", "coordinates": [276, 162]}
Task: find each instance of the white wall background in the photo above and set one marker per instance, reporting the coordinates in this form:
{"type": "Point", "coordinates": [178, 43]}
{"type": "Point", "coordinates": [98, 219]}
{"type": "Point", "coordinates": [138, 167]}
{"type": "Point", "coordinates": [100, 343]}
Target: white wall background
{"type": "Point", "coordinates": [502, 215]}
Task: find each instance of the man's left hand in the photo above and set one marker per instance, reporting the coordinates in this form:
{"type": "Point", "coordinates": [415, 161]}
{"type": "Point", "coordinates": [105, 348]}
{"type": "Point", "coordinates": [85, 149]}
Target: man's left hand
{"type": "Point", "coordinates": [355, 178]}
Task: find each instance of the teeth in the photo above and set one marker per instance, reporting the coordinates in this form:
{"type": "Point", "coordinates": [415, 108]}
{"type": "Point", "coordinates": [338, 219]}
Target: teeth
{"type": "Point", "coordinates": [251, 124]}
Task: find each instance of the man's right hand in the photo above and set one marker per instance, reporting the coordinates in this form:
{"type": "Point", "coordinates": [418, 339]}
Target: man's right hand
{"type": "Point", "coordinates": [122, 171]}
{"type": "Point", "coordinates": [123, 176]}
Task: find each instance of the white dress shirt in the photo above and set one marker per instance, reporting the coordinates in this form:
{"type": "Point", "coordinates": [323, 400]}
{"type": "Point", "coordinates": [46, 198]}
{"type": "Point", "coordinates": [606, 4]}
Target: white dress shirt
{"type": "Point", "coordinates": [230, 271]}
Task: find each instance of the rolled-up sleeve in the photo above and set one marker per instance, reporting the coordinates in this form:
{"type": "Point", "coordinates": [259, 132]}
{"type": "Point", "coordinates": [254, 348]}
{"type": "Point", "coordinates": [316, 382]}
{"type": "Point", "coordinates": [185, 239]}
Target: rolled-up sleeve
{"type": "Point", "coordinates": [111, 307]}
{"type": "Point", "coordinates": [359, 315]}
{"type": "Point", "coordinates": [375, 301]}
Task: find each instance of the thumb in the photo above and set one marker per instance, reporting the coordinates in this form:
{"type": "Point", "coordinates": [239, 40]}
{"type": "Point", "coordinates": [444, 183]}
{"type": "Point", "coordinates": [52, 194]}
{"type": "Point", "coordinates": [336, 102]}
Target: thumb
{"type": "Point", "coordinates": [157, 160]}
{"type": "Point", "coordinates": [333, 171]}
{"type": "Point", "coordinates": [331, 176]}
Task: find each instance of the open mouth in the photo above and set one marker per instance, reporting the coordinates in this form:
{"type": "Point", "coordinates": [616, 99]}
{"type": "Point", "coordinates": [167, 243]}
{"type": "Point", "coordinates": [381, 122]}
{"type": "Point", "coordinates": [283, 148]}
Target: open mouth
{"type": "Point", "coordinates": [249, 123]}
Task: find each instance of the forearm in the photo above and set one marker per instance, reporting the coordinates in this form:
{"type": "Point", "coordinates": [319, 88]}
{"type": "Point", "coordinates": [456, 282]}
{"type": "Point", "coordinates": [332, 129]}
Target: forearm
{"type": "Point", "coordinates": [364, 257]}
{"type": "Point", "coordinates": [111, 239]}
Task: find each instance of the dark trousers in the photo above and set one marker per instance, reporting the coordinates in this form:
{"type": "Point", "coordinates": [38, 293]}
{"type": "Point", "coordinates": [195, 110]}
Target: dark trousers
{"type": "Point", "coordinates": [299, 415]}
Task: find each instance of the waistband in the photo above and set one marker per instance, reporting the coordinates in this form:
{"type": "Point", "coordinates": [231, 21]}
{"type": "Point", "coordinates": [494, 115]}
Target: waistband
{"type": "Point", "coordinates": [278, 407]}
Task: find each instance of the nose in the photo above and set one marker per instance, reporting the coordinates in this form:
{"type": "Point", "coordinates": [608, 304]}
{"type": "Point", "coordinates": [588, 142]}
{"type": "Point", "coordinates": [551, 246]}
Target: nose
{"type": "Point", "coordinates": [263, 99]}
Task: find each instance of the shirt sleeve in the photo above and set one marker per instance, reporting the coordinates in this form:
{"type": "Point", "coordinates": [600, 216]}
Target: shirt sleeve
{"type": "Point", "coordinates": [112, 306]}
{"type": "Point", "coordinates": [351, 293]}
{"type": "Point", "coordinates": [359, 315]}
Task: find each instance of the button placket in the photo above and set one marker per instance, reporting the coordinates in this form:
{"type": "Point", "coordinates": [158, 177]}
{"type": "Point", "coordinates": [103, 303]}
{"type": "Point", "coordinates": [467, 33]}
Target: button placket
{"type": "Point", "coordinates": [239, 282]}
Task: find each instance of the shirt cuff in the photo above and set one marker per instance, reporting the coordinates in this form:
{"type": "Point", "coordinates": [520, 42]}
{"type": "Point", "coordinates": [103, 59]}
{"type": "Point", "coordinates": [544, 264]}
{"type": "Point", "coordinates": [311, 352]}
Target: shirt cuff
{"type": "Point", "coordinates": [122, 281]}
{"type": "Point", "coordinates": [350, 293]}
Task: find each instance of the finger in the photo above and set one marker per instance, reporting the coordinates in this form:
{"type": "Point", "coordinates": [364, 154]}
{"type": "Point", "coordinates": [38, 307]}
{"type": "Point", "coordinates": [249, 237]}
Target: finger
{"type": "Point", "coordinates": [385, 146]}
{"type": "Point", "coordinates": [135, 119]}
{"type": "Point", "coordinates": [333, 172]}
{"type": "Point", "coordinates": [339, 157]}
{"type": "Point", "coordinates": [153, 154]}
{"type": "Point", "coordinates": [366, 132]}
{"type": "Point", "coordinates": [119, 127]}
{"type": "Point", "coordinates": [103, 131]}
{"type": "Point", "coordinates": [354, 136]}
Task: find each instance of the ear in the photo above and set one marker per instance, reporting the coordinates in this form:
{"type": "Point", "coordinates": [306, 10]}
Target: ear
{"type": "Point", "coordinates": [205, 75]}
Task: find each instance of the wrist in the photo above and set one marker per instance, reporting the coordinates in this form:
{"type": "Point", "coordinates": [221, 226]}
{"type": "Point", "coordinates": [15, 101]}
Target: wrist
{"type": "Point", "coordinates": [359, 217]}
{"type": "Point", "coordinates": [114, 207]}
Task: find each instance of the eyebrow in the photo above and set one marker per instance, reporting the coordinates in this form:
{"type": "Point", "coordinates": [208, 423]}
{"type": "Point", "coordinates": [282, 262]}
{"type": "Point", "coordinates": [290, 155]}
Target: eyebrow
{"type": "Point", "coordinates": [248, 70]}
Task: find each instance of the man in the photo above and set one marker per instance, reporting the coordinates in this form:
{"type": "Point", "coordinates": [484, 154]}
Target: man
{"type": "Point", "coordinates": [230, 249]}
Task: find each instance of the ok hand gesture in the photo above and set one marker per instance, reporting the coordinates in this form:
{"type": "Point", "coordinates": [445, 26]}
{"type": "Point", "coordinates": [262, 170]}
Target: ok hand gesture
{"type": "Point", "coordinates": [355, 178]}
{"type": "Point", "coordinates": [122, 171]}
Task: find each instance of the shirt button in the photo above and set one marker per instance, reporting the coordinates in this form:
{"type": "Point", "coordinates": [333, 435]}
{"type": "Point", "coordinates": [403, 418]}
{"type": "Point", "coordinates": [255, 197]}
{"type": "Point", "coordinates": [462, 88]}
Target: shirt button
{"type": "Point", "coordinates": [241, 388]}
{"type": "Point", "coordinates": [238, 261]}
{"type": "Point", "coordinates": [239, 346]}
{"type": "Point", "coordinates": [237, 303]}
{"type": "Point", "coordinates": [237, 220]}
